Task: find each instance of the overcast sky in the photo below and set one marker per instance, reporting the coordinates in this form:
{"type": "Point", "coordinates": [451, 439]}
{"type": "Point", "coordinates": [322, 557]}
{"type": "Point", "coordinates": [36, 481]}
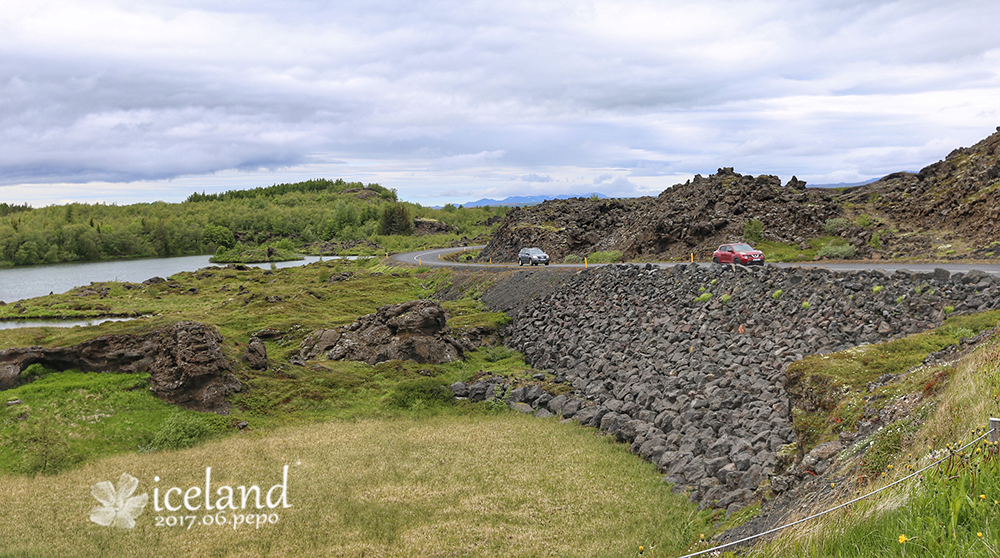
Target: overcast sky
{"type": "Point", "coordinates": [452, 101]}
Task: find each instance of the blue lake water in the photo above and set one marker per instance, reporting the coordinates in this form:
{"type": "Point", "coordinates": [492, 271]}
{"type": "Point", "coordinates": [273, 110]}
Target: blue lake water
{"type": "Point", "coordinates": [18, 283]}
{"type": "Point", "coordinates": [13, 324]}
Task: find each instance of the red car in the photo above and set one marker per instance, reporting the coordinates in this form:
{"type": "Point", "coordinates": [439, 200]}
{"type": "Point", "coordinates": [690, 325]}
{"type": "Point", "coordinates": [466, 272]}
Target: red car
{"type": "Point", "coordinates": [742, 254]}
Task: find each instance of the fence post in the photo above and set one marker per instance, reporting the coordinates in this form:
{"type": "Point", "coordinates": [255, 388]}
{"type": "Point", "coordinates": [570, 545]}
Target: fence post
{"type": "Point", "coordinates": [994, 429]}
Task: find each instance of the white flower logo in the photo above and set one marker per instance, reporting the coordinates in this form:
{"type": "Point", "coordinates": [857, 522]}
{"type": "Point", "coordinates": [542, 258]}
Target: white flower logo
{"type": "Point", "coordinates": [119, 508]}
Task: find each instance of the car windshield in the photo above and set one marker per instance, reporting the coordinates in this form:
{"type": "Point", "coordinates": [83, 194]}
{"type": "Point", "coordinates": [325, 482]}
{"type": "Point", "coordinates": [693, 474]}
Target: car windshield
{"type": "Point", "coordinates": [742, 247]}
{"type": "Point", "coordinates": [533, 252]}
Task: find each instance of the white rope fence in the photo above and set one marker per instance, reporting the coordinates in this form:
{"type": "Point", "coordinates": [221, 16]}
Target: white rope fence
{"type": "Point", "coordinates": [994, 431]}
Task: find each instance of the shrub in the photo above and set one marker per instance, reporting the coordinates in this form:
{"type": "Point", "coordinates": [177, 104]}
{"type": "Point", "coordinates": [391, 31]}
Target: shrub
{"type": "Point", "coordinates": [834, 252]}
{"type": "Point", "coordinates": [35, 371]}
{"type": "Point", "coordinates": [181, 430]}
{"type": "Point", "coordinates": [753, 230]}
{"type": "Point", "coordinates": [573, 259]}
{"type": "Point", "coordinates": [420, 393]}
{"type": "Point", "coordinates": [877, 289]}
{"type": "Point", "coordinates": [876, 241]}
{"type": "Point", "coordinates": [864, 221]}
{"type": "Point", "coordinates": [834, 226]}
{"type": "Point", "coordinates": [805, 305]}
{"type": "Point", "coordinates": [605, 257]}
{"type": "Point", "coordinates": [395, 219]}
{"type": "Point", "coordinates": [777, 294]}
{"type": "Point", "coordinates": [219, 235]}
{"type": "Point", "coordinates": [703, 298]}
{"type": "Point", "coordinates": [496, 354]}
{"type": "Point", "coordinates": [44, 448]}
{"type": "Point", "coordinates": [726, 298]}
{"type": "Point", "coordinates": [948, 310]}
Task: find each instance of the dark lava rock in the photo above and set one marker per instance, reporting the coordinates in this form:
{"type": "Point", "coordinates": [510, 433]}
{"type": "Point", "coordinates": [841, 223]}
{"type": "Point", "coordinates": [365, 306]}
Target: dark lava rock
{"type": "Point", "coordinates": [414, 330]}
{"type": "Point", "coordinates": [255, 355]}
{"type": "Point", "coordinates": [185, 361]}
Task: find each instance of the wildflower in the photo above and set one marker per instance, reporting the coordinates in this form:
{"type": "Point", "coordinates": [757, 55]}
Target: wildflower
{"type": "Point", "coordinates": [982, 496]}
{"type": "Point", "coordinates": [979, 534]}
{"type": "Point", "coordinates": [641, 549]}
{"type": "Point", "coordinates": [902, 539]}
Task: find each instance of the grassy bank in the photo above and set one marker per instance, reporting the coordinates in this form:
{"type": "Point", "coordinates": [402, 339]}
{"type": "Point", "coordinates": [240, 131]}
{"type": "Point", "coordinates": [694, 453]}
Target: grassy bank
{"type": "Point", "coordinates": [950, 510]}
{"type": "Point", "coordinates": [483, 485]}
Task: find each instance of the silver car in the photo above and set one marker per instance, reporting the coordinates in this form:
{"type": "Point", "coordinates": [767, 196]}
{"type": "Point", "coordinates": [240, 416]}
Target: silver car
{"type": "Point", "coordinates": [533, 256]}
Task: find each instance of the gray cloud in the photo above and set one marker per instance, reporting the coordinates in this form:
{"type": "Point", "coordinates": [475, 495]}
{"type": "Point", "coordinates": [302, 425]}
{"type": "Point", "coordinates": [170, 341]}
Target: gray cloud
{"type": "Point", "coordinates": [536, 178]}
{"type": "Point", "coordinates": [444, 97]}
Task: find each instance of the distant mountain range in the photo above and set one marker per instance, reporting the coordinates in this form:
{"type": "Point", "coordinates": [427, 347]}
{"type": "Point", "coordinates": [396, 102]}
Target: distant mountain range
{"type": "Point", "coordinates": [534, 200]}
{"type": "Point", "coordinates": [843, 184]}
{"type": "Point", "coordinates": [528, 200]}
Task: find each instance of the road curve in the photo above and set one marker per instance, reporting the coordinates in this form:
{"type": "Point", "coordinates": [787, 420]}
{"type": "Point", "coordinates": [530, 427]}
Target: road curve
{"type": "Point", "coordinates": [432, 258]}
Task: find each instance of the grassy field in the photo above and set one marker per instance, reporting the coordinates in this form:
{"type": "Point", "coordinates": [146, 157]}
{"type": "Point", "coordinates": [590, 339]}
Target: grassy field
{"type": "Point", "coordinates": [381, 463]}
{"type": "Point", "coordinates": [67, 417]}
{"type": "Point", "coordinates": [446, 485]}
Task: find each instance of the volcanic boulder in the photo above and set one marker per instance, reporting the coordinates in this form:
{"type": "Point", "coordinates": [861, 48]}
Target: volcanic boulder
{"type": "Point", "coordinates": [255, 354]}
{"type": "Point", "coordinates": [414, 330]}
{"type": "Point", "coordinates": [185, 361]}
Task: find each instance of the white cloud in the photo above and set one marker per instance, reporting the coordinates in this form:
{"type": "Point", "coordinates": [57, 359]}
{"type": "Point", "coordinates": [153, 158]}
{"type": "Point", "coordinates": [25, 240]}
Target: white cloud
{"type": "Point", "coordinates": [536, 178]}
{"type": "Point", "coordinates": [446, 97]}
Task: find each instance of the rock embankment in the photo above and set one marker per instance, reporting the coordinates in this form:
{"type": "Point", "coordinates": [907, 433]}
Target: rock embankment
{"type": "Point", "coordinates": [686, 364]}
{"type": "Point", "coordinates": [185, 361]}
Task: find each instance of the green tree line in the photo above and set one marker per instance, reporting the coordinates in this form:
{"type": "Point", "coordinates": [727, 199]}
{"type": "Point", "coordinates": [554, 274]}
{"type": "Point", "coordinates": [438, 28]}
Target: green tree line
{"type": "Point", "coordinates": [302, 213]}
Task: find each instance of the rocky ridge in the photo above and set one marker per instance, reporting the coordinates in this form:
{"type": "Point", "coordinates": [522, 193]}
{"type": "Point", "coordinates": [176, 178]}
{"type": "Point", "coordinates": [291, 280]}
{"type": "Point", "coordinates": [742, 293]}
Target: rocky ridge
{"type": "Point", "coordinates": [695, 383]}
{"type": "Point", "coordinates": [905, 215]}
{"type": "Point", "coordinates": [684, 218]}
{"type": "Point", "coordinates": [955, 200]}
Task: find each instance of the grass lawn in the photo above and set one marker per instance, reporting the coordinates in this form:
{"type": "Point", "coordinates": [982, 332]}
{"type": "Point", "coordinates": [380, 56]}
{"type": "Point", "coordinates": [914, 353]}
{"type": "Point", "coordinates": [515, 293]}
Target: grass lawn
{"type": "Point", "coordinates": [444, 485]}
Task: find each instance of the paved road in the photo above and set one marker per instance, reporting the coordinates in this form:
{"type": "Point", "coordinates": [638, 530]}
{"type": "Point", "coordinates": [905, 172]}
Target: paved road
{"type": "Point", "coordinates": [432, 258]}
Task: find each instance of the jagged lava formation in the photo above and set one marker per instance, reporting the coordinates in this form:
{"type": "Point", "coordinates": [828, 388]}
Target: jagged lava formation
{"type": "Point", "coordinates": [954, 201]}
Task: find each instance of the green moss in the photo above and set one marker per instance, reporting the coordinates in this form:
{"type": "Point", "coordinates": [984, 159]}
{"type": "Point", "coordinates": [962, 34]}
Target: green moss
{"type": "Point", "coordinates": [71, 417]}
{"type": "Point", "coordinates": [834, 386]}
{"type": "Point", "coordinates": [834, 226]}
